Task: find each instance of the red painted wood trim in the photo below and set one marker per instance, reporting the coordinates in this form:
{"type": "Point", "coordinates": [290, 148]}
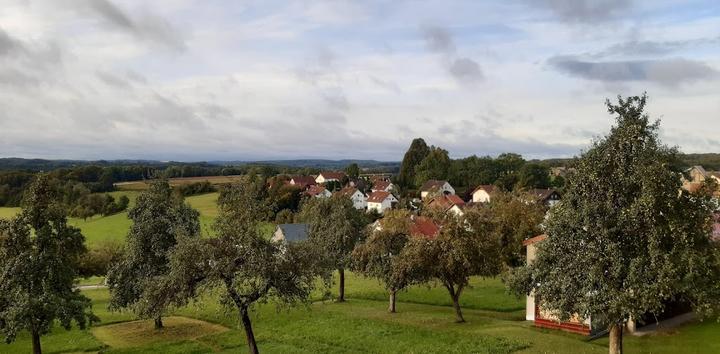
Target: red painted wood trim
{"type": "Point", "coordinates": [535, 239]}
{"type": "Point", "coordinates": [564, 326]}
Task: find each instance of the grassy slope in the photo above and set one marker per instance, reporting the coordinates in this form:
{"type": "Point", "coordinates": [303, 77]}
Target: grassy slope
{"type": "Point", "coordinates": [114, 228]}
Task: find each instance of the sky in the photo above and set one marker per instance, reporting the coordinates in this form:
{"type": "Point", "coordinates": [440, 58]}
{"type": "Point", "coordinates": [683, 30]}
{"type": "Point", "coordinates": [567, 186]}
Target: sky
{"type": "Point", "coordinates": [199, 80]}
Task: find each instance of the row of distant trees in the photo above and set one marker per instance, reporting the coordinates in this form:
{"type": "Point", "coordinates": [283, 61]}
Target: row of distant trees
{"type": "Point", "coordinates": [508, 171]}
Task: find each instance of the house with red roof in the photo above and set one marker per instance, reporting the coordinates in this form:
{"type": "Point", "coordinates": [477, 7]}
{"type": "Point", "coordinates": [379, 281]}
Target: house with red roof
{"type": "Point", "coordinates": [381, 201]}
{"type": "Point", "coordinates": [357, 197]}
{"type": "Point", "coordinates": [325, 177]}
{"type": "Point", "coordinates": [421, 226]}
{"type": "Point", "coordinates": [448, 203]}
{"type": "Point", "coordinates": [318, 192]}
{"type": "Point", "coordinates": [302, 182]}
{"type": "Point", "coordinates": [382, 185]}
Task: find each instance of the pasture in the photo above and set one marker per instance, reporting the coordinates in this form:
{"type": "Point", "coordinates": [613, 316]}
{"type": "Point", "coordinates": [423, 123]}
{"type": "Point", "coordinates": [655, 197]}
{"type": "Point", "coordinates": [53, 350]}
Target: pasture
{"type": "Point", "coordinates": [424, 324]}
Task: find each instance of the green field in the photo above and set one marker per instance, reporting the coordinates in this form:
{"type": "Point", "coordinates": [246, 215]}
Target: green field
{"type": "Point", "coordinates": [424, 324]}
{"type": "Point", "coordinates": [114, 228]}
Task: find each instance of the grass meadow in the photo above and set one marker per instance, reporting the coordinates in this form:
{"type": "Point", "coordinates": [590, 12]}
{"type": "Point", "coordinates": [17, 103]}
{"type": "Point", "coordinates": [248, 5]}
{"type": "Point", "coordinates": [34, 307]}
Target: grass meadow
{"type": "Point", "coordinates": [424, 322]}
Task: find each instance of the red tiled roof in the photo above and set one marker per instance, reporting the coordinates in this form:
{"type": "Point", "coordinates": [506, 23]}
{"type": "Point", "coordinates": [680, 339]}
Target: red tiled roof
{"type": "Point", "coordinates": [378, 197]}
{"type": "Point", "coordinates": [347, 191]}
{"type": "Point", "coordinates": [422, 226]}
{"type": "Point", "coordinates": [303, 181]}
{"type": "Point", "coordinates": [534, 239]}
{"type": "Point", "coordinates": [381, 185]}
{"type": "Point", "coordinates": [315, 190]}
{"type": "Point", "coordinates": [446, 201]}
{"type": "Point", "coordinates": [430, 184]}
{"type": "Point", "coordinates": [333, 175]}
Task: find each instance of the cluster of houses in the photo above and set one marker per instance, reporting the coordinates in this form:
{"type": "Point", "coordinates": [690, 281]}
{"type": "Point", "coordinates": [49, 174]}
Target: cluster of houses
{"type": "Point", "coordinates": [382, 195]}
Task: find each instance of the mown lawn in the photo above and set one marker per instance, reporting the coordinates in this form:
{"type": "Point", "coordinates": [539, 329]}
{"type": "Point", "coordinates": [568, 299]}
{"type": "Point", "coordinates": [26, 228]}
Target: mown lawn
{"type": "Point", "coordinates": [360, 325]}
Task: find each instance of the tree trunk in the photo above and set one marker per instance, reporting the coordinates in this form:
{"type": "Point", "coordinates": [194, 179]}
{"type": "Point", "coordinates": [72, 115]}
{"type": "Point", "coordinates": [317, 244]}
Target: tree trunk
{"type": "Point", "coordinates": [158, 322]}
{"type": "Point", "coordinates": [455, 296]}
{"type": "Point", "coordinates": [36, 343]}
{"type": "Point", "coordinates": [391, 308]}
{"type": "Point", "coordinates": [616, 337]}
{"type": "Point", "coordinates": [341, 291]}
{"type": "Point", "coordinates": [458, 312]}
{"type": "Point", "coordinates": [252, 345]}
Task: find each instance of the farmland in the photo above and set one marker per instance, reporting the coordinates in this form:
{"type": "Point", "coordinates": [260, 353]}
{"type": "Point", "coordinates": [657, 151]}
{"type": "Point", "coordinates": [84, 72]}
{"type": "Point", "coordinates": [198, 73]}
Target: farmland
{"type": "Point", "coordinates": [143, 185]}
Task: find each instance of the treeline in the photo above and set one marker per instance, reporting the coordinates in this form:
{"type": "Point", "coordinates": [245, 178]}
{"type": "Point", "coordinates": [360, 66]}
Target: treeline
{"type": "Point", "coordinates": [508, 171]}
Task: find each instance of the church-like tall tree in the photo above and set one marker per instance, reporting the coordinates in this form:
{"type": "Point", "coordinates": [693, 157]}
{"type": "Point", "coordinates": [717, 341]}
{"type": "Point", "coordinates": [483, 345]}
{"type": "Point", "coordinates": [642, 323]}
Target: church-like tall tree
{"type": "Point", "coordinates": [416, 153]}
{"type": "Point", "coordinates": [625, 239]}
{"type": "Point", "coordinates": [159, 217]}
{"type": "Point", "coordinates": [39, 257]}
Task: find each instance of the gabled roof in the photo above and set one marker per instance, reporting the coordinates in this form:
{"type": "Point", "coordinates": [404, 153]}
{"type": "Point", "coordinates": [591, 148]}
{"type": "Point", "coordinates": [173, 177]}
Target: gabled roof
{"type": "Point", "coordinates": [347, 192]}
{"type": "Point", "coordinates": [489, 188]}
{"type": "Point", "coordinates": [381, 185]}
{"type": "Point", "coordinates": [378, 196]}
{"type": "Point", "coordinates": [699, 169]}
{"type": "Point", "coordinates": [535, 239]}
{"type": "Point", "coordinates": [303, 181]}
{"type": "Point", "coordinates": [425, 227]}
{"type": "Point", "coordinates": [431, 184]}
{"type": "Point", "coordinates": [543, 194]}
{"type": "Point", "coordinates": [332, 175]}
{"type": "Point", "coordinates": [446, 201]}
{"type": "Point", "coordinates": [315, 190]}
{"type": "Point", "coordinates": [294, 232]}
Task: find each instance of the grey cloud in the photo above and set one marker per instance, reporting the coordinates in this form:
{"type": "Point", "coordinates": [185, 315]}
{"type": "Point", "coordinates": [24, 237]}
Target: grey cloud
{"type": "Point", "coordinates": [8, 45]}
{"type": "Point", "coordinates": [112, 80]}
{"type": "Point", "coordinates": [438, 39]}
{"type": "Point", "coordinates": [590, 11]}
{"type": "Point", "coordinates": [148, 27]}
{"type": "Point", "coordinates": [336, 99]}
{"type": "Point", "coordinates": [642, 48]}
{"type": "Point", "coordinates": [386, 84]}
{"type": "Point", "coordinates": [663, 71]}
{"type": "Point", "coordinates": [17, 78]}
{"type": "Point", "coordinates": [466, 71]}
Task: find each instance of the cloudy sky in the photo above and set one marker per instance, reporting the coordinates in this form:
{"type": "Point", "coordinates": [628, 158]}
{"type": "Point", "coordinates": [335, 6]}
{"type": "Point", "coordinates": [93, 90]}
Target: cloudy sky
{"type": "Point", "coordinates": [211, 80]}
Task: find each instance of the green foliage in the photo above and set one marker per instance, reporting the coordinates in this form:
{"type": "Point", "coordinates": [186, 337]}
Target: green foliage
{"type": "Point", "coordinates": [377, 256]}
{"type": "Point", "coordinates": [435, 165]}
{"type": "Point", "coordinates": [415, 154]}
{"type": "Point", "coordinates": [285, 216]}
{"type": "Point", "coordinates": [515, 217]}
{"type": "Point", "coordinates": [98, 260]}
{"type": "Point", "coordinates": [39, 256]}
{"type": "Point", "coordinates": [533, 175]}
{"type": "Point", "coordinates": [465, 247]}
{"type": "Point", "coordinates": [245, 264]}
{"type": "Point", "coordinates": [195, 188]}
{"type": "Point", "coordinates": [335, 228]}
{"type": "Point", "coordinates": [353, 170]}
{"type": "Point", "coordinates": [158, 217]}
{"type": "Point", "coordinates": [625, 239]}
